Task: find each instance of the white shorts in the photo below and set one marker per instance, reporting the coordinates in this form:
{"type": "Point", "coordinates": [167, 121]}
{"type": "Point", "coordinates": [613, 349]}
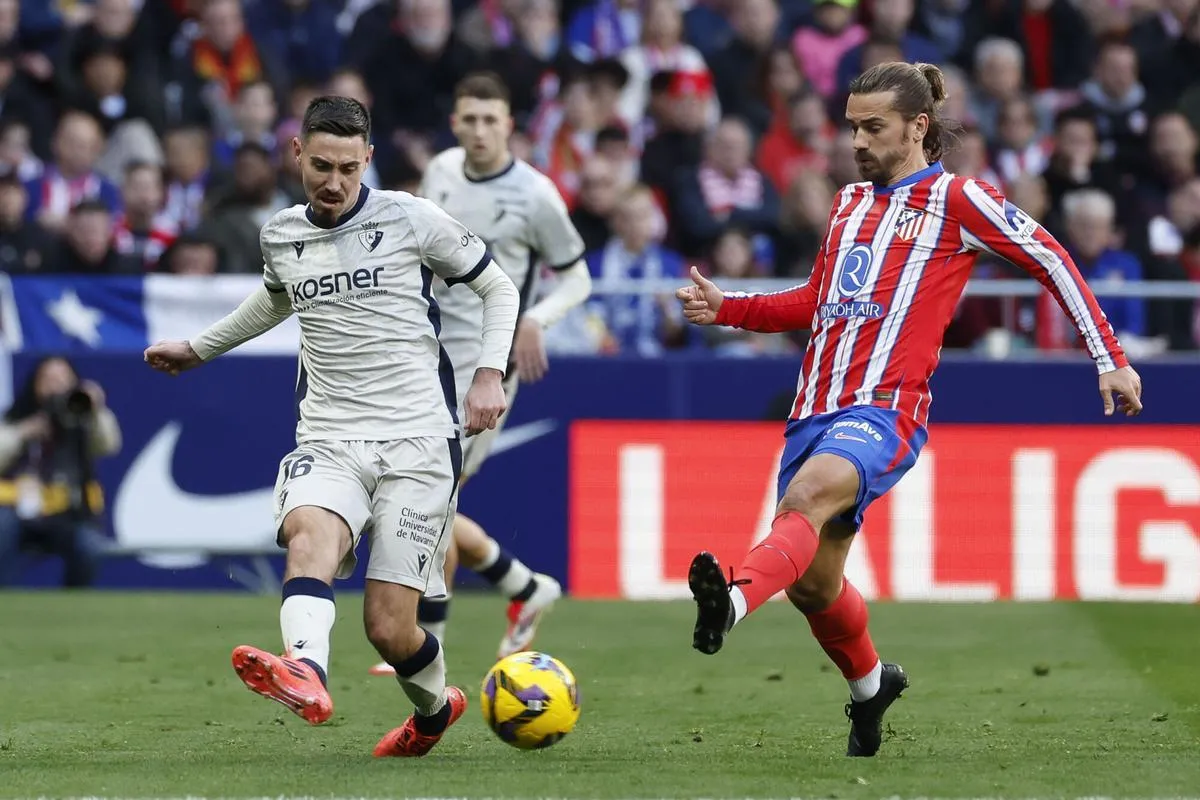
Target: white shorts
{"type": "Point", "coordinates": [476, 448]}
{"type": "Point", "coordinates": [402, 492]}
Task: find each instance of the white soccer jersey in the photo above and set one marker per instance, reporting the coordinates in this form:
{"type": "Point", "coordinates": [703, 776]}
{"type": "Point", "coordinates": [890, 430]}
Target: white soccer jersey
{"type": "Point", "coordinates": [371, 366]}
{"type": "Point", "coordinates": [523, 220]}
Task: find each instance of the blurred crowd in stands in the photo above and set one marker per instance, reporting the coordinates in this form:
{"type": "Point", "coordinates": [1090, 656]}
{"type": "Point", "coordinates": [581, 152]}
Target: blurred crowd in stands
{"type": "Point", "coordinates": [141, 136]}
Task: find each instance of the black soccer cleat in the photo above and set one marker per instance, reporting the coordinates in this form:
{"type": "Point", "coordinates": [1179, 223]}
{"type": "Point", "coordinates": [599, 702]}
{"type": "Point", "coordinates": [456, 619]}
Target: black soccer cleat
{"type": "Point", "coordinates": [866, 718]}
{"type": "Point", "coordinates": [714, 610]}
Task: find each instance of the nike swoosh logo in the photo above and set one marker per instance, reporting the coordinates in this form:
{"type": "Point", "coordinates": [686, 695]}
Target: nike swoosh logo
{"type": "Point", "coordinates": [152, 512]}
{"type": "Point", "coordinates": [510, 438]}
{"type": "Point", "coordinates": [178, 528]}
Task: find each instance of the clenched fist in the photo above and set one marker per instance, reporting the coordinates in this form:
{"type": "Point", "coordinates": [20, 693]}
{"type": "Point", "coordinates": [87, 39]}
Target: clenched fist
{"type": "Point", "coordinates": [172, 357]}
{"type": "Point", "coordinates": [484, 402]}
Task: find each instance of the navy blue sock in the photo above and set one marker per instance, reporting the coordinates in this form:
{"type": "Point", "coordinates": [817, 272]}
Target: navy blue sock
{"type": "Point", "coordinates": [496, 572]}
{"type": "Point", "coordinates": [313, 587]}
{"type": "Point", "coordinates": [527, 592]}
{"type": "Point", "coordinates": [433, 609]}
{"type": "Point", "coordinates": [419, 660]}
{"type": "Point", "coordinates": [435, 723]}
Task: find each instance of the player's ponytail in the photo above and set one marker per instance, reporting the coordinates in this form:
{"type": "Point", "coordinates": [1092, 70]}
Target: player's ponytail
{"type": "Point", "coordinates": [937, 82]}
{"type": "Point", "coordinates": [935, 137]}
{"type": "Point", "coordinates": [920, 89]}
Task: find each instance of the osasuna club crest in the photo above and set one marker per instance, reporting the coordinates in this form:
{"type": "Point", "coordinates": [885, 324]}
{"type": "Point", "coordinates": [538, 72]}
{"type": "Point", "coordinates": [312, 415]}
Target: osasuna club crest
{"type": "Point", "coordinates": [910, 224]}
{"type": "Point", "coordinates": [370, 236]}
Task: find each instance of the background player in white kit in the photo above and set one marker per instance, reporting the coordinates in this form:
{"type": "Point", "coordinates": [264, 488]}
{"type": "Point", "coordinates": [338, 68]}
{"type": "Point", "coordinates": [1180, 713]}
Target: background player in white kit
{"type": "Point", "coordinates": [377, 431]}
{"type": "Point", "coordinates": [520, 214]}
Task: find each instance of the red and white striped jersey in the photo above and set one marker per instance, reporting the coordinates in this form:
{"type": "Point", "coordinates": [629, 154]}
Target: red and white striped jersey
{"type": "Point", "coordinates": [891, 269]}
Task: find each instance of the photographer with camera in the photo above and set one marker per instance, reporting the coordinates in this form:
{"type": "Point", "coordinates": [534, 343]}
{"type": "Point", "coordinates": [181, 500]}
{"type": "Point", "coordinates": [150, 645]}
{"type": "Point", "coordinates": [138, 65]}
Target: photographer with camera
{"type": "Point", "coordinates": [50, 502]}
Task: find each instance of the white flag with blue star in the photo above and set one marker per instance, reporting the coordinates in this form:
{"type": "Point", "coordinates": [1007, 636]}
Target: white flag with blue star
{"type": "Point", "coordinates": [73, 314]}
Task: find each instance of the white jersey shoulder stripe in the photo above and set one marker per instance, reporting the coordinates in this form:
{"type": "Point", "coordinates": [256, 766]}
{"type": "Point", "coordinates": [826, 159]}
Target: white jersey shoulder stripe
{"type": "Point", "coordinates": [1049, 261]}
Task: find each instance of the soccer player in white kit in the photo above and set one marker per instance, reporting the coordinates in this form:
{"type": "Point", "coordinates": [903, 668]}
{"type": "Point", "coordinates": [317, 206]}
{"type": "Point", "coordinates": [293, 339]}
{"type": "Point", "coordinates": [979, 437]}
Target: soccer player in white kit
{"type": "Point", "coordinates": [377, 432]}
{"type": "Point", "coordinates": [520, 214]}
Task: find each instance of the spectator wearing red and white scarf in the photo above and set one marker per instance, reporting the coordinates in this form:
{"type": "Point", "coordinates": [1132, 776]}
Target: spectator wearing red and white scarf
{"type": "Point", "coordinates": [1022, 149]}
{"type": "Point", "coordinates": [143, 230]}
{"type": "Point", "coordinates": [72, 178]}
{"type": "Point", "coordinates": [724, 190]}
{"type": "Point", "coordinates": [565, 135]}
{"type": "Point", "coordinates": [189, 175]}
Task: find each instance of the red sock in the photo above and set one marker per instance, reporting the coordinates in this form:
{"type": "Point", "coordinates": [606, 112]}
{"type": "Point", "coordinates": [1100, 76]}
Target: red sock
{"type": "Point", "coordinates": [841, 631]}
{"type": "Point", "coordinates": [777, 561]}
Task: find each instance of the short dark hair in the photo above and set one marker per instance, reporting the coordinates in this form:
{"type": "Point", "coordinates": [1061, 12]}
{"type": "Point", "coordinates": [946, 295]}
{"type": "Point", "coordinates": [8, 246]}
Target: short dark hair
{"type": "Point", "coordinates": [919, 89]}
{"type": "Point", "coordinates": [90, 206]}
{"type": "Point", "coordinates": [1078, 113]}
{"type": "Point", "coordinates": [612, 133]}
{"type": "Point", "coordinates": [253, 149]}
{"type": "Point", "coordinates": [482, 85]}
{"type": "Point", "coordinates": [339, 116]}
{"type": "Point", "coordinates": [138, 165]}
{"type": "Point", "coordinates": [1113, 41]}
{"type": "Point", "coordinates": [191, 239]}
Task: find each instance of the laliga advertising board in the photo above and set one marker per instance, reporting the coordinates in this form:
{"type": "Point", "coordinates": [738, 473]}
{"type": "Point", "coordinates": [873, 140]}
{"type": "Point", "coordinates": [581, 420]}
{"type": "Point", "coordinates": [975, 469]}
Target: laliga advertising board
{"type": "Point", "coordinates": [607, 479]}
{"type": "Point", "coordinates": [988, 513]}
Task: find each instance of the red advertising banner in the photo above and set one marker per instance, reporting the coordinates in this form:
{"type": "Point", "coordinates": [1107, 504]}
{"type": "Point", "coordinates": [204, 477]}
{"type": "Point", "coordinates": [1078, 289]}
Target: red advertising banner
{"type": "Point", "coordinates": [988, 512]}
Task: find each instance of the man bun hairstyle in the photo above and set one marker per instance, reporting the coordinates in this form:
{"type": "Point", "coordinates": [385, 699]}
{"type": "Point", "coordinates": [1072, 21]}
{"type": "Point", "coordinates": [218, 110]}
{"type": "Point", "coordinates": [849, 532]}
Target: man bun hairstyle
{"type": "Point", "coordinates": [919, 89]}
{"type": "Point", "coordinates": [336, 115]}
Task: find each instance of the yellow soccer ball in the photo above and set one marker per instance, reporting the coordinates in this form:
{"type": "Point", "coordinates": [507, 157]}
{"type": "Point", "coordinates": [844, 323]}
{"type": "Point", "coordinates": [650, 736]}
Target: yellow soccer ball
{"type": "Point", "coordinates": [530, 700]}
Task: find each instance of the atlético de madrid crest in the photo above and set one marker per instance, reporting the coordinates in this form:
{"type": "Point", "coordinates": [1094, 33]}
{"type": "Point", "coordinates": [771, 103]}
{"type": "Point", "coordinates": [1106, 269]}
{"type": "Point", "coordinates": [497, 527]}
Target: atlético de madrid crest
{"type": "Point", "coordinates": [910, 224]}
{"type": "Point", "coordinates": [371, 239]}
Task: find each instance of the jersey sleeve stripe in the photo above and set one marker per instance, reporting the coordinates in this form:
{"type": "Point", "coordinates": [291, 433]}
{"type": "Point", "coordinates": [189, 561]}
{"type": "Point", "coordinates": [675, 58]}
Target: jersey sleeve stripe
{"type": "Point", "coordinates": [1054, 267]}
{"type": "Point", "coordinates": [566, 264]}
{"type": "Point", "coordinates": [475, 271]}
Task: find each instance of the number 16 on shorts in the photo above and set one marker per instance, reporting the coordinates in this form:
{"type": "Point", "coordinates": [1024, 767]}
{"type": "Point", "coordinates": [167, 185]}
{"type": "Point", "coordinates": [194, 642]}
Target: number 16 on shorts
{"type": "Point", "coordinates": [297, 466]}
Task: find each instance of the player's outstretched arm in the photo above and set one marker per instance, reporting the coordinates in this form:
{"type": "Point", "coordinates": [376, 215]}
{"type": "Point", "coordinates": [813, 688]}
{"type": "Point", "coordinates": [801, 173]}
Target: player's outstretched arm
{"type": "Point", "coordinates": [705, 304]}
{"type": "Point", "coordinates": [257, 314]}
{"type": "Point", "coordinates": [989, 222]}
{"type": "Point", "coordinates": [485, 401]}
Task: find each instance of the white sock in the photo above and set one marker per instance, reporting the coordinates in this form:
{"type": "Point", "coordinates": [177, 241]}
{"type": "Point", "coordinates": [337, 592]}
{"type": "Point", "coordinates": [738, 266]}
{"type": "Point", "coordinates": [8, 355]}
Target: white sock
{"type": "Point", "coordinates": [505, 572]}
{"type": "Point", "coordinates": [515, 580]}
{"type": "Point", "coordinates": [422, 676]}
{"type": "Point", "coordinates": [867, 686]}
{"type": "Point", "coordinates": [438, 629]}
{"type": "Point", "coordinates": [739, 604]}
{"type": "Point", "coordinates": [305, 621]}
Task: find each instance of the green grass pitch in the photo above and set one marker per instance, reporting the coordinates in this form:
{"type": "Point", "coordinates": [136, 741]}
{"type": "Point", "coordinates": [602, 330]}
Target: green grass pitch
{"type": "Point", "coordinates": [132, 695]}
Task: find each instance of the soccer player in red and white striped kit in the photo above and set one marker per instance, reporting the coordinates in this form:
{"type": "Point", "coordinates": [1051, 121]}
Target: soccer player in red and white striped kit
{"type": "Point", "coordinates": [897, 253]}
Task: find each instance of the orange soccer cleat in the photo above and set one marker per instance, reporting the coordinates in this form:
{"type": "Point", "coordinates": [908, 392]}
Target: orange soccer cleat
{"type": "Point", "coordinates": [407, 742]}
{"type": "Point", "coordinates": [284, 680]}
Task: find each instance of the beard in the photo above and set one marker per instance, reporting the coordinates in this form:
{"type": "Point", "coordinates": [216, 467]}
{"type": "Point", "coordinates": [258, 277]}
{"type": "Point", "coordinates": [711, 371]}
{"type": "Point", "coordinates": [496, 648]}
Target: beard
{"type": "Point", "coordinates": [878, 169]}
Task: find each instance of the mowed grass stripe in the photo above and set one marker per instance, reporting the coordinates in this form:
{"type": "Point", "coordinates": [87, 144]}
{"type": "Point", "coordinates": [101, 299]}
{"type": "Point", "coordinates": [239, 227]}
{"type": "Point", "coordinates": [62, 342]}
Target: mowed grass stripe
{"type": "Point", "coordinates": [1161, 644]}
{"type": "Point", "coordinates": [132, 695]}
